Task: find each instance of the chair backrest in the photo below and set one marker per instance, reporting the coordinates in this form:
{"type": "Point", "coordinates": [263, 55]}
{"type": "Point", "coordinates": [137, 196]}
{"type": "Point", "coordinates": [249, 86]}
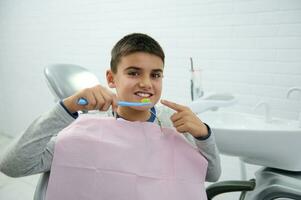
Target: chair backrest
{"type": "Point", "coordinates": [65, 79]}
{"type": "Point", "coordinates": [40, 192]}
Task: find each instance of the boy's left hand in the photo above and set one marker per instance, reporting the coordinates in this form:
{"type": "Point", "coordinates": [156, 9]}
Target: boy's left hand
{"type": "Point", "coordinates": [184, 120]}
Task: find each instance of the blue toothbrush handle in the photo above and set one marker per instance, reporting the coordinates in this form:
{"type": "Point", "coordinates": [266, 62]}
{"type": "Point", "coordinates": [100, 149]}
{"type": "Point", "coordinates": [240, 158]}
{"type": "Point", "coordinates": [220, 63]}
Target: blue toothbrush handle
{"type": "Point", "coordinates": [126, 103]}
{"type": "Point", "coordinates": [82, 101]}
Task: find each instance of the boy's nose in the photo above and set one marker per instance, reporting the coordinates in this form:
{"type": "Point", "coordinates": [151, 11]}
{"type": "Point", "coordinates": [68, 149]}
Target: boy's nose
{"type": "Point", "coordinates": [145, 82]}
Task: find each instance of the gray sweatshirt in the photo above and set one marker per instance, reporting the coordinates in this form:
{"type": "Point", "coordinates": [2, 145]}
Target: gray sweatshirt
{"type": "Point", "coordinates": [32, 152]}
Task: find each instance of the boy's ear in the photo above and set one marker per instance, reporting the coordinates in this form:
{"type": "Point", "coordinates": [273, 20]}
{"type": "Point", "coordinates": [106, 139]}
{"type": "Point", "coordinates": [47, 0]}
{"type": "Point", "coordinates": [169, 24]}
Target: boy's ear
{"type": "Point", "coordinates": [110, 79]}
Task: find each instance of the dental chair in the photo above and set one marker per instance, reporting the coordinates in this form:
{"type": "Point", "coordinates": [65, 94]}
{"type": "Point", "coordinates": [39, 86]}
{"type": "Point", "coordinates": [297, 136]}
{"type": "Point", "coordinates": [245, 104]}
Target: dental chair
{"type": "Point", "coordinates": [65, 79]}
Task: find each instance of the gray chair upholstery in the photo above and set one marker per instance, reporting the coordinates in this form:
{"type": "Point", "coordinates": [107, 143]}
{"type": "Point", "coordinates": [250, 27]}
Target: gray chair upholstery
{"type": "Point", "coordinates": [40, 192]}
{"type": "Point", "coordinates": [65, 79]}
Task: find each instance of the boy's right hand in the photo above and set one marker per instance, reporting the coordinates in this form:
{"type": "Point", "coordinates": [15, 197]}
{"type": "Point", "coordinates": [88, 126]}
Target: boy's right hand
{"type": "Point", "coordinates": [98, 97]}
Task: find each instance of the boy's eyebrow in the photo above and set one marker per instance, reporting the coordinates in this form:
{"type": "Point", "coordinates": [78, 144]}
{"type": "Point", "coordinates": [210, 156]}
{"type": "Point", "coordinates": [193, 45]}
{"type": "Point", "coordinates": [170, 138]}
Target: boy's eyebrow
{"type": "Point", "coordinates": [138, 68]}
{"type": "Point", "coordinates": [157, 70]}
{"type": "Point", "coordinates": [132, 67]}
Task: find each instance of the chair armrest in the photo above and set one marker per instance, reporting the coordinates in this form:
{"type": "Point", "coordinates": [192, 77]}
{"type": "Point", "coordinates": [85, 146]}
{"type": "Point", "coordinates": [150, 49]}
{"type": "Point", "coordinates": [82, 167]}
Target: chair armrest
{"type": "Point", "coordinates": [229, 186]}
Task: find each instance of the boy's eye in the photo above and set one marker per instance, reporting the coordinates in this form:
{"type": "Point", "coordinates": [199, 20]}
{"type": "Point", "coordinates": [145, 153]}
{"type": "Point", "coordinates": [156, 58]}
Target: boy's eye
{"type": "Point", "coordinates": [133, 73]}
{"type": "Point", "coordinates": [157, 75]}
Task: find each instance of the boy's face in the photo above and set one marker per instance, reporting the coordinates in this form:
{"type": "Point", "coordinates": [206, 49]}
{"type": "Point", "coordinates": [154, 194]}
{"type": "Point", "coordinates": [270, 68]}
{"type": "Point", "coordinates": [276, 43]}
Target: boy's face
{"type": "Point", "coordinates": [139, 75]}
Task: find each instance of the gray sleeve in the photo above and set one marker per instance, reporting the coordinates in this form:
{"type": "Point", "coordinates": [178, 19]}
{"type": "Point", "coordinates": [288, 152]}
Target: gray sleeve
{"type": "Point", "coordinates": [209, 149]}
{"type": "Point", "coordinates": [32, 152]}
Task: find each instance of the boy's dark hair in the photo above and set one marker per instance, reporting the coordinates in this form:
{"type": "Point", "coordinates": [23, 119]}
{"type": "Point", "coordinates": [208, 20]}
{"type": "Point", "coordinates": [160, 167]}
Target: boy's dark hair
{"type": "Point", "coordinates": [132, 43]}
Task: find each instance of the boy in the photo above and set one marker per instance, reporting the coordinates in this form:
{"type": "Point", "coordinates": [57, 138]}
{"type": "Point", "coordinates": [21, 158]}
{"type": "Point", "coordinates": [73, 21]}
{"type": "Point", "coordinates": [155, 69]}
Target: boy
{"type": "Point", "coordinates": [136, 72]}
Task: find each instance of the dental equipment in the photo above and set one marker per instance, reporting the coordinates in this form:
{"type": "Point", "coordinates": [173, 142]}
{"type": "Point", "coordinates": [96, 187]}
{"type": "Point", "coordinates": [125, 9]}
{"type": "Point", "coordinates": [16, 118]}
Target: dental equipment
{"type": "Point", "coordinates": [64, 80]}
{"type": "Point", "coordinates": [195, 82]}
{"type": "Point", "coordinates": [267, 109]}
{"type": "Point", "coordinates": [291, 90]}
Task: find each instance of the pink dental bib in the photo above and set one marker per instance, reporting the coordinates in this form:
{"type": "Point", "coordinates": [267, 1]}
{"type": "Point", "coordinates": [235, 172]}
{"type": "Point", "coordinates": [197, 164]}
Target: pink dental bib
{"type": "Point", "coordinates": [107, 159]}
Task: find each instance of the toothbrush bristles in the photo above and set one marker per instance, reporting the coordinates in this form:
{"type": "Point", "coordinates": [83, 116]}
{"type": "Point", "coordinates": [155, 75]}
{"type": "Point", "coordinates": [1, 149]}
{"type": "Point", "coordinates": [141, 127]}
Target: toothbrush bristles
{"type": "Point", "coordinates": [145, 100]}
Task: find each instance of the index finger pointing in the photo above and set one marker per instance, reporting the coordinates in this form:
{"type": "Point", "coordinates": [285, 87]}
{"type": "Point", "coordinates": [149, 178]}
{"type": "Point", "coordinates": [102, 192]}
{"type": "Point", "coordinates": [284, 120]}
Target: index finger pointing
{"type": "Point", "coordinates": [173, 105]}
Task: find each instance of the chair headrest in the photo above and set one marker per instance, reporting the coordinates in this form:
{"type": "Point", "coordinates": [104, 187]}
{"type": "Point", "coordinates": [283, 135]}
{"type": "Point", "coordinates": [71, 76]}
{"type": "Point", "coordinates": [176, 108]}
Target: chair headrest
{"type": "Point", "coordinates": [65, 79]}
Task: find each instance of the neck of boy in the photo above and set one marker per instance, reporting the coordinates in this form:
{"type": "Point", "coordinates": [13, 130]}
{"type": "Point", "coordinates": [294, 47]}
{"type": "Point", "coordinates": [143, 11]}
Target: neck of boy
{"type": "Point", "coordinates": [130, 114]}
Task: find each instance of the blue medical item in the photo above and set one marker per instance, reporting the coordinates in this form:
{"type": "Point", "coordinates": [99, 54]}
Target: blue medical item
{"type": "Point", "coordinates": [82, 101]}
{"type": "Point", "coordinates": [126, 103]}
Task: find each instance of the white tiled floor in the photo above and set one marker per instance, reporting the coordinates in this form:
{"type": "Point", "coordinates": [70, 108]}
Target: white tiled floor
{"type": "Point", "coordinates": [23, 188]}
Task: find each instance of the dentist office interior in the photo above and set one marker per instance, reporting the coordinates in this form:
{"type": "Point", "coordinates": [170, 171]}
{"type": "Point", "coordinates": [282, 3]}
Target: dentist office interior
{"type": "Point", "coordinates": [237, 63]}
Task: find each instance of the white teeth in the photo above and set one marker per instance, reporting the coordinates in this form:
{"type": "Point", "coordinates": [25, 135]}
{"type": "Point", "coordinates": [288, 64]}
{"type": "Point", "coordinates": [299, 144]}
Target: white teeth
{"type": "Point", "coordinates": [143, 94]}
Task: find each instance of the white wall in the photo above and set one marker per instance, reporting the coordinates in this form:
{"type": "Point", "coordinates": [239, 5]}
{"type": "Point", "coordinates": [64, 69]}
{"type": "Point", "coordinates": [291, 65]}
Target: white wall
{"type": "Point", "coordinates": [251, 48]}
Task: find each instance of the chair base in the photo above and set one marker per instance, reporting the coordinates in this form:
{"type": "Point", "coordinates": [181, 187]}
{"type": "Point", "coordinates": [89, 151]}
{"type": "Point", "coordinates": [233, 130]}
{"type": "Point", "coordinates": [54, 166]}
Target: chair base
{"type": "Point", "coordinates": [275, 183]}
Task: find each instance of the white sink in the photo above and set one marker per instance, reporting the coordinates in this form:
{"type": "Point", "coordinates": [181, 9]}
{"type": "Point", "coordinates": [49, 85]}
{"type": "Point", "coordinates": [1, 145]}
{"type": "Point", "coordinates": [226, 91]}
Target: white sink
{"type": "Point", "coordinates": [275, 144]}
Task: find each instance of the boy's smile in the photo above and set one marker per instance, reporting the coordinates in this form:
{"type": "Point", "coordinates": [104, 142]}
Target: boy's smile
{"type": "Point", "coordinates": [139, 75]}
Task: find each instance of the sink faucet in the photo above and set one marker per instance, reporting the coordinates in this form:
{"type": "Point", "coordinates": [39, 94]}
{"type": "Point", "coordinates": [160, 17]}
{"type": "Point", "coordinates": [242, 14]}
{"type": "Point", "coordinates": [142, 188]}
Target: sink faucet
{"type": "Point", "coordinates": [267, 114]}
{"type": "Point", "coordinates": [291, 90]}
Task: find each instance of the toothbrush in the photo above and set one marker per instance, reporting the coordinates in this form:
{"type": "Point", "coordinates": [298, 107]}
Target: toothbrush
{"type": "Point", "coordinates": [82, 101]}
{"type": "Point", "coordinates": [144, 102]}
